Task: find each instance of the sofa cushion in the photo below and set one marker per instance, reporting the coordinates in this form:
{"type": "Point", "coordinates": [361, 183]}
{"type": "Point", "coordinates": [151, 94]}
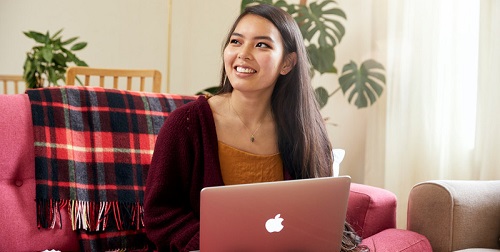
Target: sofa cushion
{"type": "Point", "coordinates": [396, 240]}
{"type": "Point", "coordinates": [17, 184]}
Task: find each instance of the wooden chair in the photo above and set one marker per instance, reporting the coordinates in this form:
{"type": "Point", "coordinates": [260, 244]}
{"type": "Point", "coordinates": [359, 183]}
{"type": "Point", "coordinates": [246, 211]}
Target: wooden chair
{"type": "Point", "coordinates": [16, 81]}
{"type": "Point", "coordinates": [133, 77]}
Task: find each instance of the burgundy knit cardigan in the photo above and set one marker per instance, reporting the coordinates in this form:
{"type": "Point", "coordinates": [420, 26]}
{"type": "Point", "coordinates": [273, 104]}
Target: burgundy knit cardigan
{"type": "Point", "coordinates": [185, 160]}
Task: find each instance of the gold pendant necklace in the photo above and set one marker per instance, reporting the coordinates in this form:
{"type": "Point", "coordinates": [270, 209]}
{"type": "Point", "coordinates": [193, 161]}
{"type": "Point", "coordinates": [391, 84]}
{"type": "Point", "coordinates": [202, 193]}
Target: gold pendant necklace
{"type": "Point", "coordinates": [252, 134]}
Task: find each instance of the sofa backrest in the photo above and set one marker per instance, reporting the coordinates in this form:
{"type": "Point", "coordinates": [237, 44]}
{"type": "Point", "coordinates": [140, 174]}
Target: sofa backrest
{"type": "Point", "coordinates": [19, 231]}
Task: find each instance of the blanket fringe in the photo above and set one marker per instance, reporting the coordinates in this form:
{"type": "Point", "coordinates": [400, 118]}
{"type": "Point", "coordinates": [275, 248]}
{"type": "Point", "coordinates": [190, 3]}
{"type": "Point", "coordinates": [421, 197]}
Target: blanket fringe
{"type": "Point", "coordinates": [90, 216]}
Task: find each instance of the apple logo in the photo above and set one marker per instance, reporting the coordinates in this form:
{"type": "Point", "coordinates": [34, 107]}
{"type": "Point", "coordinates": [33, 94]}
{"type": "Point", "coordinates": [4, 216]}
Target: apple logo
{"type": "Point", "coordinates": [274, 224]}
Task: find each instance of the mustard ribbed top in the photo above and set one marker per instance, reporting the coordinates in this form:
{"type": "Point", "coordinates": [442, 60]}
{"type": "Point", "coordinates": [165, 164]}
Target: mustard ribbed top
{"type": "Point", "coordinates": [241, 167]}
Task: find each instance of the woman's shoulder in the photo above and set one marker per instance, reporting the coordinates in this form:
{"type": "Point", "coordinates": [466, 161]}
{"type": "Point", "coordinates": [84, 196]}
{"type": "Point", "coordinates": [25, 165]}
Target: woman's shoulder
{"type": "Point", "coordinates": [196, 108]}
{"type": "Point", "coordinates": [217, 102]}
{"type": "Point", "coordinates": [199, 102]}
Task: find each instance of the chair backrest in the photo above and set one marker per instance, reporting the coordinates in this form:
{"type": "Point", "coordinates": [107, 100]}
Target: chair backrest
{"type": "Point", "coordinates": [133, 78]}
{"type": "Point", "coordinates": [15, 80]}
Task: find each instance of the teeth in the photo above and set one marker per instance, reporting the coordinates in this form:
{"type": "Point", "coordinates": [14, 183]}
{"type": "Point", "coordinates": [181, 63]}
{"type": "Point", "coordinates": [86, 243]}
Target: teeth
{"type": "Point", "coordinates": [245, 70]}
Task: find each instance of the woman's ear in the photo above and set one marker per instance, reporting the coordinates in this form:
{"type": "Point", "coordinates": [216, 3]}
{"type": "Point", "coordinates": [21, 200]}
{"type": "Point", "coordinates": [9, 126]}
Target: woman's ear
{"type": "Point", "coordinates": [288, 64]}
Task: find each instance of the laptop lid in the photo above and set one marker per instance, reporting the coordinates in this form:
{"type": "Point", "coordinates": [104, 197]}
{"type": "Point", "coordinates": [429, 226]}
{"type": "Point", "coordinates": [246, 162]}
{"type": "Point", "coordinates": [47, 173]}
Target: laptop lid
{"type": "Point", "coordinates": [294, 215]}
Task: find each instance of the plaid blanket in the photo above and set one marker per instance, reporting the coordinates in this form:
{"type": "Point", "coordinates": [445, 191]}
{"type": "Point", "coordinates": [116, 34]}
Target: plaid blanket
{"type": "Point", "coordinates": [93, 147]}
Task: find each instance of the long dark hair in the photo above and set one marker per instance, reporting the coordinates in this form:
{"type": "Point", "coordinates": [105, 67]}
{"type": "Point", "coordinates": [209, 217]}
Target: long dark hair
{"type": "Point", "coordinates": [303, 140]}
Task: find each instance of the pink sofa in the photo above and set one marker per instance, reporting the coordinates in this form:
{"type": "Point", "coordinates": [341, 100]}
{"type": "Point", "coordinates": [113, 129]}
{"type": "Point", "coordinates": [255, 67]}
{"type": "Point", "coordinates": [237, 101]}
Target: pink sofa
{"type": "Point", "coordinates": [371, 210]}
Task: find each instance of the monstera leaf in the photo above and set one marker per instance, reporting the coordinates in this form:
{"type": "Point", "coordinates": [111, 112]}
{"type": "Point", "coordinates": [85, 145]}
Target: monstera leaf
{"type": "Point", "coordinates": [363, 85]}
{"type": "Point", "coordinates": [322, 58]}
{"type": "Point", "coordinates": [321, 96]}
{"type": "Point", "coordinates": [321, 20]}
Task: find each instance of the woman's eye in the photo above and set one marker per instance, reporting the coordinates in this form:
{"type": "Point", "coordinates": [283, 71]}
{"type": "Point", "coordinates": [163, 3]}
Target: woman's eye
{"type": "Point", "coordinates": [264, 45]}
{"type": "Point", "coordinates": [234, 41]}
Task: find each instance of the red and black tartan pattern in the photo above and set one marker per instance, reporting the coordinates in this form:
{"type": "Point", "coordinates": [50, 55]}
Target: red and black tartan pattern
{"type": "Point", "coordinates": [93, 148]}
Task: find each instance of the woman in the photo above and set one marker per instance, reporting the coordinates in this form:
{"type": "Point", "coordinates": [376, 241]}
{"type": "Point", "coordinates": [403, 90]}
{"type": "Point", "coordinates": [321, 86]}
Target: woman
{"type": "Point", "coordinates": [264, 125]}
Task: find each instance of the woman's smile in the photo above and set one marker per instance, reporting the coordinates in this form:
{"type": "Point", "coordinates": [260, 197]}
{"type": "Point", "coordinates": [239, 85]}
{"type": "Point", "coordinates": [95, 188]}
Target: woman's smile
{"type": "Point", "coordinates": [245, 70]}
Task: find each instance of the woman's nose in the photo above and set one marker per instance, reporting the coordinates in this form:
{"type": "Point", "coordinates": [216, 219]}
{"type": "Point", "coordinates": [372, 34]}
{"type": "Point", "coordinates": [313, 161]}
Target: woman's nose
{"type": "Point", "coordinates": [243, 57]}
{"type": "Point", "coordinates": [244, 54]}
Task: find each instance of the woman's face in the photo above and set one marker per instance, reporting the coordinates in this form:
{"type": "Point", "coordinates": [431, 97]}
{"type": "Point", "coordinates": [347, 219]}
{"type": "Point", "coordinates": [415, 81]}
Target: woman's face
{"type": "Point", "coordinates": [254, 56]}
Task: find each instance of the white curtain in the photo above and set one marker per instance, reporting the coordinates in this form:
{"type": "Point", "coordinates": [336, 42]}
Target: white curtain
{"type": "Point", "coordinates": [440, 119]}
{"type": "Point", "coordinates": [487, 151]}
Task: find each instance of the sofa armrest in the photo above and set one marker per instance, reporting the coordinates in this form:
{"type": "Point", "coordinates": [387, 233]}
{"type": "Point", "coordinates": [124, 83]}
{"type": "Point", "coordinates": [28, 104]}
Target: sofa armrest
{"type": "Point", "coordinates": [371, 209]}
{"type": "Point", "coordinates": [456, 214]}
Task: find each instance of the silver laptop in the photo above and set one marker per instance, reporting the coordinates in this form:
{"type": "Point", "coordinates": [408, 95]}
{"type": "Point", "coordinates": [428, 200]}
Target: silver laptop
{"type": "Point", "coordinates": [295, 215]}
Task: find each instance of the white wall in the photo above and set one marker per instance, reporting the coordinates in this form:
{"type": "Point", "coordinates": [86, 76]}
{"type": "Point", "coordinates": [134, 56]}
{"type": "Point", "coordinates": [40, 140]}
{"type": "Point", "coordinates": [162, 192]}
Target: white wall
{"type": "Point", "coordinates": [198, 30]}
{"type": "Point", "coordinates": [133, 34]}
{"type": "Point", "coordinates": [120, 33]}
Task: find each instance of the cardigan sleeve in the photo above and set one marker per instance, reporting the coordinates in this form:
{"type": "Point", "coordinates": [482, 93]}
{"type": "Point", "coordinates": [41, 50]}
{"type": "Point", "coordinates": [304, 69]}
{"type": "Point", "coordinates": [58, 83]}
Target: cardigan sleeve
{"type": "Point", "coordinates": [170, 218]}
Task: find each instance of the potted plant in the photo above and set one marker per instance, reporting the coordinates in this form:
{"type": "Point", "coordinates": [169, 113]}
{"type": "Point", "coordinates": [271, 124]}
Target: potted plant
{"type": "Point", "coordinates": [47, 61]}
{"type": "Point", "coordinates": [321, 26]}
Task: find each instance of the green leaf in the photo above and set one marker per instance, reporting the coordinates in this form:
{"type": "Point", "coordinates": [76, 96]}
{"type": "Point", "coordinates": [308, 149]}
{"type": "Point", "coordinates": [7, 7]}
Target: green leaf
{"type": "Point", "coordinates": [69, 41]}
{"type": "Point", "coordinates": [321, 20]}
{"type": "Point", "coordinates": [64, 50]}
{"type": "Point", "coordinates": [47, 38]}
{"type": "Point", "coordinates": [59, 69]}
{"type": "Point", "coordinates": [56, 45]}
{"type": "Point", "coordinates": [27, 34]}
{"type": "Point", "coordinates": [79, 62]}
{"type": "Point", "coordinates": [38, 37]}
{"type": "Point", "coordinates": [47, 54]}
{"type": "Point", "coordinates": [373, 64]}
{"type": "Point", "coordinates": [70, 57]}
{"type": "Point", "coordinates": [322, 58]}
{"type": "Point", "coordinates": [52, 78]}
{"type": "Point", "coordinates": [29, 78]}
{"type": "Point", "coordinates": [78, 79]}
{"type": "Point", "coordinates": [209, 91]}
{"type": "Point", "coordinates": [79, 46]}
{"type": "Point", "coordinates": [60, 59]}
{"type": "Point", "coordinates": [54, 37]}
{"type": "Point", "coordinates": [28, 67]}
{"type": "Point", "coordinates": [364, 85]}
{"type": "Point", "coordinates": [321, 96]}
{"type": "Point", "coordinates": [339, 30]}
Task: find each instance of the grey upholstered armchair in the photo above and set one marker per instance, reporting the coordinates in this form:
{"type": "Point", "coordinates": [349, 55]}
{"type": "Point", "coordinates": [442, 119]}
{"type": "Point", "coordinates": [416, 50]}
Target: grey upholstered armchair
{"type": "Point", "coordinates": [456, 214]}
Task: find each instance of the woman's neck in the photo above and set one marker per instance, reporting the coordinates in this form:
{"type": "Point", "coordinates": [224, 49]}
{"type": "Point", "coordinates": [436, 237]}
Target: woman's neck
{"type": "Point", "coordinates": [251, 110]}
